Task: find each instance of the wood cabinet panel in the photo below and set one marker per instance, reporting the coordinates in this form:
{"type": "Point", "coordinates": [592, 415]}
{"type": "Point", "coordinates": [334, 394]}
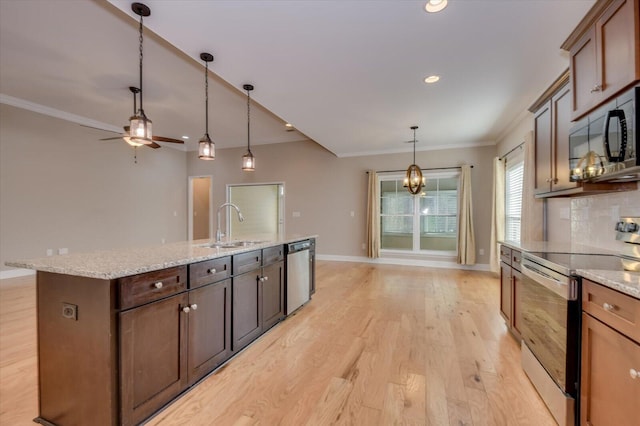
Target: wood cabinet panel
{"type": "Point", "coordinates": [246, 262]}
{"type": "Point", "coordinates": [272, 282]}
{"type": "Point", "coordinates": [153, 357]}
{"type": "Point", "coordinates": [505, 255]}
{"type": "Point", "coordinates": [148, 287]}
{"type": "Point", "coordinates": [542, 135]}
{"type": "Point", "coordinates": [209, 328]}
{"type": "Point", "coordinates": [615, 309]}
{"type": "Point", "coordinates": [584, 74]}
{"type": "Point", "coordinates": [272, 254]}
{"type": "Point", "coordinates": [247, 309]}
{"type": "Point", "coordinates": [505, 292]}
{"type": "Point", "coordinates": [209, 271]}
{"type": "Point", "coordinates": [609, 392]}
{"type": "Point", "coordinates": [561, 110]}
{"type": "Point", "coordinates": [516, 312]}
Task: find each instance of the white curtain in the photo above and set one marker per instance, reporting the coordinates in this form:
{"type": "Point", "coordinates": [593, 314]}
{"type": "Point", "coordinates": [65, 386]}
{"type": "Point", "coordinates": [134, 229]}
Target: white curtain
{"type": "Point", "coordinates": [466, 237]}
{"type": "Point", "coordinates": [532, 216]}
{"type": "Point", "coordinates": [373, 216]}
{"type": "Point", "coordinates": [497, 214]}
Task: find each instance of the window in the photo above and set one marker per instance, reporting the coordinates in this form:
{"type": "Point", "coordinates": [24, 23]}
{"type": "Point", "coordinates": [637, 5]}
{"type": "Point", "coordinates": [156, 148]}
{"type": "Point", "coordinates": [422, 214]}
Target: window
{"type": "Point", "coordinates": [513, 199]}
{"type": "Point", "coordinates": [426, 222]}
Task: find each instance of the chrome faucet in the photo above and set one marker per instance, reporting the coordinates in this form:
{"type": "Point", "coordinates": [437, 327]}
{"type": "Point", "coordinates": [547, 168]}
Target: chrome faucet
{"type": "Point", "coordinates": [219, 233]}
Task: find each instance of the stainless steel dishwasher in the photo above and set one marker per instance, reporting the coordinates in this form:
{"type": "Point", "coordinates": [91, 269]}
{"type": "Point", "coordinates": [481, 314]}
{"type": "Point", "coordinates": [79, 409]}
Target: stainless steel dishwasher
{"type": "Point", "coordinates": [298, 278]}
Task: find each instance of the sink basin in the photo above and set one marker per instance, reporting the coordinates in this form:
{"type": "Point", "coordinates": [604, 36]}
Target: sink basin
{"type": "Point", "coordinates": [233, 244]}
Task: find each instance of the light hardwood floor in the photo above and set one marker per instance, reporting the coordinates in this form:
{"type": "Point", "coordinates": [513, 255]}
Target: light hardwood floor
{"type": "Point", "coordinates": [378, 345]}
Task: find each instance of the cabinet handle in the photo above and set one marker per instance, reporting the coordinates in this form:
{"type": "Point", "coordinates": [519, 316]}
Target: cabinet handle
{"type": "Point", "coordinates": [608, 307]}
{"type": "Point", "coordinates": [261, 279]}
{"type": "Point", "coordinates": [596, 88]}
{"type": "Point", "coordinates": [194, 307]}
{"type": "Point", "coordinates": [211, 271]}
{"type": "Point", "coordinates": [158, 284]}
{"type": "Point", "coordinates": [186, 309]}
{"type": "Point", "coordinates": [554, 180]}
{"type": "Point", "coordinates": [266, 278]}
{"type": "Point", "coordinates": [634, 374]}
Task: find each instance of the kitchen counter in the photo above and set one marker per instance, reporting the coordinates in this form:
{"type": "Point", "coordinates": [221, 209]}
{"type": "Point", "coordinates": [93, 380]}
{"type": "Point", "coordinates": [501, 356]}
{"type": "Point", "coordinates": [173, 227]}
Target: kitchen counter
{"type": "Point", "coordinates": [118, 263]}
{"type": "Point", "coordinates": [623, 281]}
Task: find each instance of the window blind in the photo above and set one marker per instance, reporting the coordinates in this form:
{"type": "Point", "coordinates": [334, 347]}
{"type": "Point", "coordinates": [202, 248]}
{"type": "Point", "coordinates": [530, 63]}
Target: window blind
{"type": "Point", "coordinates": [513, 200]}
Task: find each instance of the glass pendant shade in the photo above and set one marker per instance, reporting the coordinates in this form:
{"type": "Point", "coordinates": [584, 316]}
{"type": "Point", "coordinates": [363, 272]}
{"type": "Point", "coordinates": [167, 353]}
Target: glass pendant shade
{"type": "Point", "coordinates": [140, 129]}
{"type": "Point", "coordinates": [128, 140]}
{"type": "Point", "coordinates": [248, 162]}
{"type": "Point", "coordinates": [206, 148]}
{"type": "Point", "coordinates": [414, 180]}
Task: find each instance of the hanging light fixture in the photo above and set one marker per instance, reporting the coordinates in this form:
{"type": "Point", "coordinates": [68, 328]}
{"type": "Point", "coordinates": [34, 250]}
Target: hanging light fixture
{"type": "Point", "coordinates": [206, 147]}
{"type": "Point", "coordinates": [139, 124]}
{"type": "Point", "coordinates": [248, 160]}
{"type": "Point", "coordinates": [414, 181]}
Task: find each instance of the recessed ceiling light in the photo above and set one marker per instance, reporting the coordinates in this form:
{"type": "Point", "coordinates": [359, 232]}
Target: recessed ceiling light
{"type": "Point", "coordinates": [432, 79]}
{"type": "Point", "coordinates": [289, 125]}
{"type": "Point", "coordinates": [185, 137]}
{"type": "Point", "coordinates": [434, 6]}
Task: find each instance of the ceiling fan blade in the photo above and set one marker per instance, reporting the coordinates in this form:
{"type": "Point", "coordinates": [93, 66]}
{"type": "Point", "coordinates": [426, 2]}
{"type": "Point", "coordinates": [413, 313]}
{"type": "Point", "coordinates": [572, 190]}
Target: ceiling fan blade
{"type": "Point", "coordinates": [153, 145]}
{"type": "Point", "coordinates": [163, 139]}
{"type": "Point", "coordinates": [98, 128]}
{"type": "Point", "coordinates": [111, 139]}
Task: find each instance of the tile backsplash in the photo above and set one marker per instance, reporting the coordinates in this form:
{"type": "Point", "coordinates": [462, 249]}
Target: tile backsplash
{"type": "Point", "coordinates": [593, 218]}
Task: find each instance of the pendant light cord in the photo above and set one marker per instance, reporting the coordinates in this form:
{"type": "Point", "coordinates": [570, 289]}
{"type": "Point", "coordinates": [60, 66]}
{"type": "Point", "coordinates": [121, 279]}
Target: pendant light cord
{"type": "Point", "coordinates": [414, 146]}
{"type": "Point", "coordinates": [206, 97]}
{"type": "Point", "coordinates": [141, 40]}
{"type": "Point", "coordinates": [248, 120]}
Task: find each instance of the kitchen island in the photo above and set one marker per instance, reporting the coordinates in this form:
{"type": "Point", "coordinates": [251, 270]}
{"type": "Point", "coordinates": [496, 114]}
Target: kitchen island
{"type": "Point", "coordinates": [122, 333]}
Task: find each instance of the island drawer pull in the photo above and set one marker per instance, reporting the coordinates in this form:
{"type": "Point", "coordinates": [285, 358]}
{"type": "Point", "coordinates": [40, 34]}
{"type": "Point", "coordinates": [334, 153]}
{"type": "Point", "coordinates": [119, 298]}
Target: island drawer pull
{"type": "Point", "coordinates": [211, 271]}
{"type": "Point", "coordinates": [158, 284]}
{"type": "Point", "coordinates": [194, 307]}
{"type": "Point", "coordinates": [186, 309]}
{"type": "Point", "coordinates": [634, 373]}
{"type": "Point", "coordinates": [608, 307]}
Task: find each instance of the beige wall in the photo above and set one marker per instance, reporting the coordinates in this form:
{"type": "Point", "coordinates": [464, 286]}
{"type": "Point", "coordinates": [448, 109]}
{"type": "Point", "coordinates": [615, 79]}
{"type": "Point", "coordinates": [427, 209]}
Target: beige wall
{"type": "Point", "coordinates": [62, 188]}
{"type": "Point", "coordinates": [325, 189]}
{"type": "Point", "coordinates": [201, 218]}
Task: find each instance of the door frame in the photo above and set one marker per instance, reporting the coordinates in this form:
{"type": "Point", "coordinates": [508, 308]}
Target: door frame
{"type": "Point", "coordinates": [190, 206]}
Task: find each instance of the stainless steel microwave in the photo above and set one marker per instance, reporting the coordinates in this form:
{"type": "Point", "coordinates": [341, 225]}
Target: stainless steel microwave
{"type": "Point", "coordinates": [605, 142]}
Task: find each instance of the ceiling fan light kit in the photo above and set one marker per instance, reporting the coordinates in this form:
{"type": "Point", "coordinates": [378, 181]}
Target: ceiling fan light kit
{"type": "Point", "coordinates": [206, 147]}
{"type": "Point", "coordinates": [414, 180]}
{"type": "Point", "coordinates": [248, 160]}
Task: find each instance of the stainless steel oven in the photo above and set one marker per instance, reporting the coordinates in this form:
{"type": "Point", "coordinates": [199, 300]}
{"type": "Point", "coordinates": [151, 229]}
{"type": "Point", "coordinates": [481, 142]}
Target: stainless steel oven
{"type": "Point", "coordinates": [550, 327]}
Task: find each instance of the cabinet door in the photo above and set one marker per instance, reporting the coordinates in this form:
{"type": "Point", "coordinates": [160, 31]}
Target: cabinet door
{"type": "Point", "coordinates": [516, 320]}
{"type": "Point", "coordinates": [609, 393]}
{"type": "Point", "coordinates": [272, 282]}
{"type": "Point", "coordinates": [152, 357]}
{"type": "Point", "coordinates": [505, 292]}
{"type": "Point", "coordinates": [209, 328]}
{"type": "Point", "coordinates": [247, 309]}
{"type": "Point", "coordinates": [312, 272]}
{"type": "Point", "coordinates": [584, 75]}
{"type": "Point", "coordinates": [561, 108]}
{"type": "Point", "coordinates": [542, 128]}
{"type": "Point", "coordinates": [617, 46]}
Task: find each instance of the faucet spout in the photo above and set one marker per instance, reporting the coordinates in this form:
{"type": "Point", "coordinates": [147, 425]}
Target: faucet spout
{"type": "Point", "coordinates": [219, 232]}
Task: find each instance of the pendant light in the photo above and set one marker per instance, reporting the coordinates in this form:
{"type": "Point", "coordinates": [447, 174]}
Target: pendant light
{"type": "Point", "coordinates": [414, 181]}
{"type": "Point", "coordinates": [206, 147]}
{"type": "Point", "coordinates": [139, 124]}
{"type": "Point", "coordinates": [248, 160]}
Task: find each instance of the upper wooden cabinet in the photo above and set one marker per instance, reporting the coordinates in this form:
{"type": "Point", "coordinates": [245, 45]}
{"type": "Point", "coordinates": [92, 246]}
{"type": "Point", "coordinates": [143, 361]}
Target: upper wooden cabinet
{"type": "Point", "coordinates": [551, 133]}
{"type": "Point", "coordinates": [605, 54]}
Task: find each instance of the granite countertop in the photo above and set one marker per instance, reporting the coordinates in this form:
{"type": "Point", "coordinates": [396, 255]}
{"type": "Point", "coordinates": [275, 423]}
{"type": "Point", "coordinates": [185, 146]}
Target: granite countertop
{"type": "Point", "coordinates": [111, 264]}
{"type": "Point", "coordinates": [626, 282]}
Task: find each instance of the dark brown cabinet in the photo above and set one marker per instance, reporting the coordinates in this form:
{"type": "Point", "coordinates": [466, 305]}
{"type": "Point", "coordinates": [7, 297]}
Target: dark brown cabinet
{"type": "Point", "coordinates": [605, 54]}
{"type": "Point", "coordinates": [272, 282]}
{"type": "Point", "coordinates": [247, 309]}
{"type": "Point", "coordinates": [153, 356]}
{"type": "Point", "coordinates": [510, 284]}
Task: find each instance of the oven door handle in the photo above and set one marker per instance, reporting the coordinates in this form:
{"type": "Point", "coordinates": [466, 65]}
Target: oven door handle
{"type": "Point", "coordinates": [567, 289]}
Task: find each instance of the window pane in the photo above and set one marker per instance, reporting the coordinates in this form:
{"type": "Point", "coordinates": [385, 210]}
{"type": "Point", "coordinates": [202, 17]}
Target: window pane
{"type": "Point", "coordinates": [513, 200]}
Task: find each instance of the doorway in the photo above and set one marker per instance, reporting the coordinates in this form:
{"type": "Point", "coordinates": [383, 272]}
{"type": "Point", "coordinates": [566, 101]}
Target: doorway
{"type": "Point", "coordinates": [262, 206]}
{"type": "Point", "coordinates": [200, 207]}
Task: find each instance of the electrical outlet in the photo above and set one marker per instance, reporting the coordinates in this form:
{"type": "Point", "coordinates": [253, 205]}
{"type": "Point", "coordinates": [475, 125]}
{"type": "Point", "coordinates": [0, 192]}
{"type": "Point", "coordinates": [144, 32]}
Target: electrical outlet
{"type": "Point", "coordinates": [49, 252]}
{"type": "Point", "coordinates": [296, 214]}
{"type": "Point", "coordinates": [70, 311]}
{"type": "Point", "coordinates": [481, 252]}
{"type": "Point", "coordinates": [63, 251]}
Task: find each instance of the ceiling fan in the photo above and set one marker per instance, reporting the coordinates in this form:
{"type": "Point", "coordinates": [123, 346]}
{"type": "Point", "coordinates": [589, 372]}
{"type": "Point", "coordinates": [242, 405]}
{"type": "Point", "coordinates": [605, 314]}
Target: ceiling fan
{"type": "Point", "coordinates": [126, 134]}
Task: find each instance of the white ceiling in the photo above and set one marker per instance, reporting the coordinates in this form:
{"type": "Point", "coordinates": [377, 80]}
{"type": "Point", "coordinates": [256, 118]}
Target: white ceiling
{"type": "Point", "coordinates": [348, 74]}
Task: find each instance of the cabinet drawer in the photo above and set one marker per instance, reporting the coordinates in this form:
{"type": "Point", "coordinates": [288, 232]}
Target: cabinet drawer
{"type": "Point", "coordinates": [246, 262]}
{"type": "Point", "coordinates": [209, 271]}
{"type": "Point", "coordinates": [505, 254]}
{"type": "Point", "coordinates": [272, 254]}
{"type": "Point", "coordinates": [144, 288]}
{"type": "Point", "coordinates": [516, 258]}
{"type": "Point", "coordinates": [615, 309]}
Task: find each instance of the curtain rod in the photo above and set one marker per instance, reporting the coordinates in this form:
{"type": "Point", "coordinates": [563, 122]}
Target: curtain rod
{"type": "Point", "coordinates": [404, 170]}
{"type": "Point", "coordinates": [512, 149]}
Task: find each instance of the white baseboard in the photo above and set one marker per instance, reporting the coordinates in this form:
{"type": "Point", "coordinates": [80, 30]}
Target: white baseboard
{"type": "Point", "coordinates": [15, 273]}
{"type": "Point", "coordinates": [406, 262]}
